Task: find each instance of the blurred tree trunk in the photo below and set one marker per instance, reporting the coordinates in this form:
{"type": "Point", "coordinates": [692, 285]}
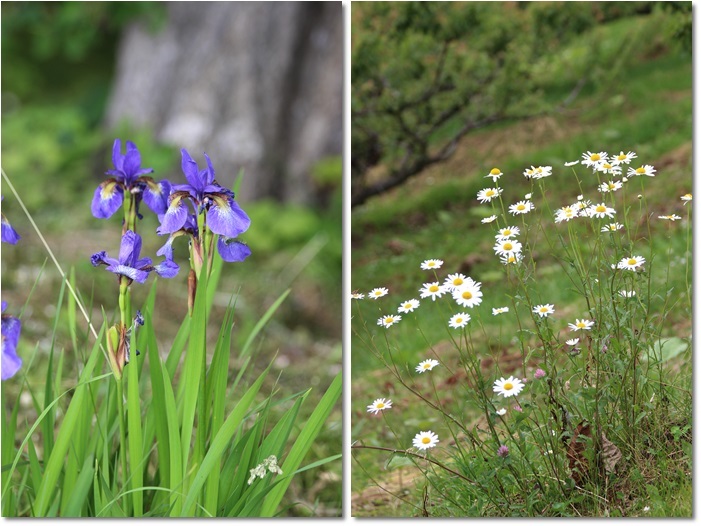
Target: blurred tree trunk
{"type": "Point", "coordinates": [258, 86]}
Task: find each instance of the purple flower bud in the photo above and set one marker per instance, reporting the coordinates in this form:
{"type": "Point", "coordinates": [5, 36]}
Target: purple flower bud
{"type": "Point", "coordinates": [503, 451]}
{"type": "Point", "coordinates": [539, 373]}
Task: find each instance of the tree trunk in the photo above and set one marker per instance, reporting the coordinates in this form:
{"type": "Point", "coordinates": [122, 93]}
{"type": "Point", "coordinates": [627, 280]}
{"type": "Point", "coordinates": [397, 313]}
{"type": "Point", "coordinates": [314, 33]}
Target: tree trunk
{"type": "Point", "coordinates": [258, 86]}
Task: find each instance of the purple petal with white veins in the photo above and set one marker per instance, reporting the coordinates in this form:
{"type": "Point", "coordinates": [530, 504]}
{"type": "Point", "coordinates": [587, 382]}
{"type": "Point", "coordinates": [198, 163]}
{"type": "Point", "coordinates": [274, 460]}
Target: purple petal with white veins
{"type": "Point", "coordinates": [232, 251]}
{"type": "Point", "coordinates": [156, 195]}
{"type": "Point", "coordinates": [167, 249]}
{"type": "Point", "coordinates": [130, 272]}
{"type": "Point", "coordinates": [11, 363]}
{"type": "Point", "coordinates": [117, 157]}
{"type": "Point", "coordinates": [107, 199]}
{"type": "Point", "coordinates": [143, 262]}
{"type": "Point", "coordinates": [130, 248]}
{"type": "Point", "coordinates": [225, 217]}
{"type": "Point", "coordinates": [189, 167]}
{"type": "Point", "coordinates": [167, 268]}
{"type": "Point", "coordinates": [175, 216]}
{"type": "Point", "coordinates": [9, 234]}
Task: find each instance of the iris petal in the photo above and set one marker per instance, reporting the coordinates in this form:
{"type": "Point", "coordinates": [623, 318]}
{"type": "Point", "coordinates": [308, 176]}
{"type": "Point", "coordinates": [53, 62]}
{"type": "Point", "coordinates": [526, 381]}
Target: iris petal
{"type": "Point", "coordinates": [130, 272]}
{"type": "Point", "coordinates": [156, 195]}
{"type": "Point", "coordinates": [11, 363]}
{"type": "Point", "coordinates": [232, 251]}
{"type": "Point", "coordinates": [9, 234]}
{"type": "Point", "coordinates": [130, 248]}
{"type": "Point", "coordinates": [189, 167]}
{"type": "Point", "coordinates": [175, 216]}
{"type": "Point", "coordinates": [225, 217]}
{"type": "Point", "coordinates": [107, 199]}
{"type": "Point", "coordinates": [167, 268]}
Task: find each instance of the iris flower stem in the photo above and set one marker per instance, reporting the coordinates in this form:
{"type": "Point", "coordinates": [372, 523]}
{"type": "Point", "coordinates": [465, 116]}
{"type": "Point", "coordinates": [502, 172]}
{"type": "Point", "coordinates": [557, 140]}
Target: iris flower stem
{"type": "Point", "coordinates": [122, 434]}
{"type": "Point", "coordinates": [124, 301]}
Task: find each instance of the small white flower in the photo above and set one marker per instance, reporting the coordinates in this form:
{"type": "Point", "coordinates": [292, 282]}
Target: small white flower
{"type": "Point", "coordinates": [527, 196]}
{"type": "Point", "coordinates": [504, 247]}
{"type": "Point", "coordinates": [544, 310]}
{"type": "Point", "coordinates": [686, 198]}
{"type": "Point", "coordinates": [459, 320]}
{"type": "Point", "coordinates": [623, 158]}
{"type": "Point", "coordinates": [259, 471]}
{"type": "Point", "coordinates": [572, 342]}
{"type": "Point", "coordinates": [591, 159]}
{"type": "Point", "coordinates": [627, 293]}
{"type": "Point", "coordinates": [600, 210]}
{"type": "Point", "coordinates": [487, 194]}
{"type": "Point", "coordinates": [426, 365]}
{"type": "Point", "coordinates": [612, 227]}
{"type": "Point", "coordinates": [408, 306]}
{"type": "Point", "coordinates": [425, 440]}
{"type": "Point", "coordinates": [610, 186]}
{"type": "Point", "coordinates": [501, 412]}
{"type": "Point", "coordinates": [508, 387]}
{"type": "Point", "coordinates": [580, 197]}
{"type": "Point", "coordinates": [571, 163]}
{"type": "Point", "coordinates": [357, 296]}
{"type": "Point", "coordinates": [379, 405]}
{"type": "Point", "coordinates": [631, 263]}
{"type": "Point", "coordinates": [499, 310]}
{"type": "Point", "coordinates": [508, 232]}
{"type": "Point", "coordinates": [511, 259]}
{"type": "Point", "coordinates": [646, 508]}
{"type": "Point", "coordinates": [378, 293]}
{"type": "Point", "coordinates": [566, 213]}
{"type": "Point", "coordinates": [521, 207]}
{"type": "Point", "coordinates": [432, 290]}
{"type": "Point", "coordinates": [646, 169]}
{"type": "Point", "coordinates": [538, 172]}
{"type": "Point", "coordinates": [673, 217]}
{"type": "Point", "coordinates": [584, 325]}
{"type": "Point", "coordinates": [468, 294]}
{"type": "Point", "coordinates": [388, 321]}
{"type": "Point", "coordinates": [609, 168]}
{"type": "Point", "coordinates": [488, 219]}
{"type": "Point", "coordinates": [431, 264]}
{"type": "Point", "coordinates": [456, 280]}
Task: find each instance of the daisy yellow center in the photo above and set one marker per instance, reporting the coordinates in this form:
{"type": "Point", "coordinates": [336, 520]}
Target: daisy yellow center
{"type": "Point", "coordinates": [581, 325]}
{"type": "Point", "coordinates": [595, 157]}
{"type": "Point", "coordinates": [489, 193]}
{"type": "Point", "coordinates": [389, 319]}
{"type": "Point", "coordinates": [621, 157]}
{"type": "Point", "coordinates": [467, 295]}
{"type": "Point", "coordinates": [427, 366]}
{"type": "Point", "coordinates": [640, 170]}
{"type": "Point", "coordinates": [601, 208]}
{"type": "Point", "coordinates": [380, 405]}
{"type": "Point", "coordinates": [495, 171]}
{"type": "Point", "coordinates": [611, 185]}
{"type": "Point", "coordinates": [459, 320]}
{"type": "Point", "coordinates": [378, 293]}
{"type": "Point", "coordinates": [433, 288]}
{"type": "Point", "coordinates": [632, 261]}
{"type": "Point", "coordinates": [543, 309]}
{"type": "Point", "coordinates": [407, 305]}
{"type": "Point", "coordinates": [508, 246]}
{"type": "Point", "coordinates": [506, 232]}
{"type": "Point", "coordinates": [607, 166]}
{"type": "Point", "coordinates": [457, 281]}
{"type": "Point", "coordinates": [520, 207]}
{"type": "Point", "coordinates": [539, 170]}
{"type": "Point", "coordinates": [425, 440]}
{"type": "Point", "coordinates": [508, 386]}
{"type": "Point", "coordinates": [512, 259]}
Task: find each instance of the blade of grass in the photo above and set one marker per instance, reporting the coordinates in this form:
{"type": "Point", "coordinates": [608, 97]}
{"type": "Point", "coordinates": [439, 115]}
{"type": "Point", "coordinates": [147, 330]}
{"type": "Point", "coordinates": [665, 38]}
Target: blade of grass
{"type": "Point", "coordinates": [303, 444]}
{"type": "Point", "coordinates": [176, 456]}
{"type": "Point", "coordinates": [136, 453]}
{"type": "Point", "coordinates": [81, 490]}
{"type": "Point", "coordinates": [261, 323]}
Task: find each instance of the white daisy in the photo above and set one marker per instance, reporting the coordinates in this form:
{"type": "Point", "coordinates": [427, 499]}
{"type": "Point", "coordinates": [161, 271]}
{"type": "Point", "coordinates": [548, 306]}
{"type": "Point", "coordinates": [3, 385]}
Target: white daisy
{"type": "Point", "coordinates": [610, 186]}
{"type": "Point", "coordinates": [609, 168]}
{"type": "Point", "coordinates": [631, 263]}
{"type": "Point", "coordinates": [494, 173]}
{"type": "Point", "coordinates": [507, 246]}
{"type": "Point", "coordinates": [378, 293]}
{"type": "Point", "coordinates": [468, 295]}
{"type": "Point", "coordinates": [432, 290]}
{"type": "Point", "coordinates": [501, 412]}
{"type": "Point", "coordinates": [511, 259]}
{"type": "Point", "coordinates": [600, 210]}
{"type": "Point", "coordinates": [379, 405]}
{"type": "Point", "coordinates": [673, 217]}
{"type": "Point", "coordinates": [388, 321]}
{"type": "Point", "coordinates": [544, 310]}
{"type": "Point", "coordinates": [686, 198]}
{"type": "Point", "coordinates": [527, 196]}
{"type": "Point", "coordinates": [409, 306]}
{"type": "Point", "coordinates": [572, 342]}
{"type": "Point", "coordinates": [623, 158]}
{"type": "Point", "coordinates": [646, 169]}
{"type": "Point", "coordinates": [456, 280]}
{"type": "Point", "coordinates": [499, 310]}
{"type": "Point", "coordinates": [425, 440]}
{"type": "Point", "coordinates": [431, 264]}
{"type": "Point", "coordinates": [488, 219]}
{"type": "Point", "coordinates": [591, 159]}
{"type": "Point", "coordinates": [426, 365]}
{"type": "Point", "coordinates": [487, 194]}
{"type": "Point", "coordinates": [566, 213]}
{"type": "Point", "coordinates": [508, 387]}
{"type": "Point", "coordinates": [584, 325]}
{"type": "Point", "coordinates": [626, 293]}
{"type": "Point", "coordinates": [508, 232]}
{"type": "Point", "coordinates": [612, 227]}
{"type": "Point", "coordinates": [459, 320]}
{"type": "Point", "coordinates": [522, 207]}
{"type": "Point", "coordinates": [571, 163]}
{"type": "Point", "coordinates": [357, 296]}
{"type": "Point", "coordinates": [540, 172]}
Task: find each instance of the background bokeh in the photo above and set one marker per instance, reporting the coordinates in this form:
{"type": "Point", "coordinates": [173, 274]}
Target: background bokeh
{"type": "Point", "coordinates": [77, 75]}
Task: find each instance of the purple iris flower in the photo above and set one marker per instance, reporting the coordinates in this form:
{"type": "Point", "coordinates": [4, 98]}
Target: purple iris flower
{"type": "Point", "coordinates": [11, 328]}
{"type": "Point", "coordinates": [223, 214]}
{"type": "Point", "coordinates": [128, 176]}
{"type": "Point", "coordinates": [9, 234]}
{"type": "Point", "coordinates": [230, 250]}
{"type": "Point", "coordinates": [130, 265]}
